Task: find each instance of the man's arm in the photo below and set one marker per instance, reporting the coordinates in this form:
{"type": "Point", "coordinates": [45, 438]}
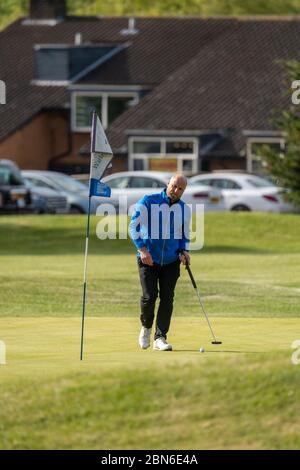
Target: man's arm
{"type": "Point", "coordinates": [145, 256]}
{"type": "Point", "coordinates": [138, 230]}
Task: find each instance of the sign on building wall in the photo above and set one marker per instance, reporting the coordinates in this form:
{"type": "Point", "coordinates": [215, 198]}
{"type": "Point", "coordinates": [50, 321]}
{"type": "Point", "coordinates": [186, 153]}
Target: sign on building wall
{"type": "Point", "coordinates": [163, 164]}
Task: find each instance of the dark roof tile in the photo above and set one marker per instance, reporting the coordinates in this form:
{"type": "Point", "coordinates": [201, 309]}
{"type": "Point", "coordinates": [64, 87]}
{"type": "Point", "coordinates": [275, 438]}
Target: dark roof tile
{"type": "Point", "coordinates": [161, 45]}
{"type": "Point", "coordinates": [211, 73]}
{"type": "Point", "coordinates": [234, 82]}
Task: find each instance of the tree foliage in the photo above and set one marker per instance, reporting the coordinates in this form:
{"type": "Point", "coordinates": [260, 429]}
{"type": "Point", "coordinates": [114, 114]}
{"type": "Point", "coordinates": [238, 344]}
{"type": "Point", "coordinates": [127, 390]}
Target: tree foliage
{"type": "Point", "coordinates": [285, 167]}
{"type": "Point", "coordinates": [13, 9]}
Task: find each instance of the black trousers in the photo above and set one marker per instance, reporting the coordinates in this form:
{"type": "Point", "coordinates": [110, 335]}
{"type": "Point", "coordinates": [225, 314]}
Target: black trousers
{"type": "Point", "coordinates": [156, 280]}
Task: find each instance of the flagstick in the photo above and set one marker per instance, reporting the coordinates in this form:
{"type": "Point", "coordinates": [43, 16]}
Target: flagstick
{"type": "Point", "coordinates": [87, 240]}
{"type": "Point", "coordinates": [101, 154]}
{"type": "Point", "coordinates": [84, 277]}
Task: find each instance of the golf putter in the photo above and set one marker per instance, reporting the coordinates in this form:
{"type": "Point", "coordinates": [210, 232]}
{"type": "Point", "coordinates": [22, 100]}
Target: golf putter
{"type": "Point", "coordinates": [187, 267]}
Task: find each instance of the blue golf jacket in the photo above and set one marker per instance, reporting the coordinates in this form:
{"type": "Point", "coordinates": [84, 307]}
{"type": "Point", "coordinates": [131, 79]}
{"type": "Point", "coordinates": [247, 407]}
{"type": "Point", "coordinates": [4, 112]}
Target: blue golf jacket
{"type": "Point", "coordinates": [161, 227]}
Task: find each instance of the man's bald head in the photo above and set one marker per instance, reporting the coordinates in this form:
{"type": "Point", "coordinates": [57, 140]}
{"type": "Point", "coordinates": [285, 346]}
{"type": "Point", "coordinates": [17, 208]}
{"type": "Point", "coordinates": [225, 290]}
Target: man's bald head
{"type": "Point", "coordinates": [176, 187]}
{"type": "Point", "coordinates": [179, 178]}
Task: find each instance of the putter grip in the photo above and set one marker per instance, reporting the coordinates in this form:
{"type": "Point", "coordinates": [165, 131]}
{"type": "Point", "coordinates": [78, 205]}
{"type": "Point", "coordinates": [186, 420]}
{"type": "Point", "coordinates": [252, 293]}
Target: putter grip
{"type": "Point", "coordinates": [187, 266]}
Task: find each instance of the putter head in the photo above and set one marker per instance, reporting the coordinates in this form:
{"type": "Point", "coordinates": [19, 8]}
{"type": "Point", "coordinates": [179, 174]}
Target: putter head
{"type": "Point", "coordinates": [216, 342]}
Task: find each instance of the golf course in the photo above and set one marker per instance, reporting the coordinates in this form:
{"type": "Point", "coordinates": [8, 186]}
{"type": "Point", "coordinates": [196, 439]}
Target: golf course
{"type": "Point", "coordinates": [242, 394]}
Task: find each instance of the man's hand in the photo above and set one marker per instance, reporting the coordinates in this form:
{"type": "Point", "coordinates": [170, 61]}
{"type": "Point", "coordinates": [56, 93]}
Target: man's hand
{"type": "Point", "coordinates": [185, 258]}
{"type": "Point", "coordinates": [146, 258]}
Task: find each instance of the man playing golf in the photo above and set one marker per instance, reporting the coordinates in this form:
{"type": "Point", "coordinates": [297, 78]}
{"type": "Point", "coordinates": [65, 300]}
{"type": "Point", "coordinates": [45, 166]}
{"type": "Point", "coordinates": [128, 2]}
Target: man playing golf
{"type": "Point", "coordinates": [160, 228]}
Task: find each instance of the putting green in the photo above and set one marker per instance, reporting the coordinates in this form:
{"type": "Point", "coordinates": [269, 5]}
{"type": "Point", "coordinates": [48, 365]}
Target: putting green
{"type": "Point", "coordinates": [51, 345]}
{"type": "Point", "coordinates": [243, 394]}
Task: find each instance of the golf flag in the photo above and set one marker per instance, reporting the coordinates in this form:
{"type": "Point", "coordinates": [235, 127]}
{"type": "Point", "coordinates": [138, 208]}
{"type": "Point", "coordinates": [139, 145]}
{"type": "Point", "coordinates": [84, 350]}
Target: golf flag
{"type": "Point", "coordinates": [101, 155]}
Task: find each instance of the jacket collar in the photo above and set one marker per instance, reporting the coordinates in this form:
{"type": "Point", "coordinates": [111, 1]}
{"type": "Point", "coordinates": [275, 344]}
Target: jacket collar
{"type": "Point", "coordinates": [166, 198]}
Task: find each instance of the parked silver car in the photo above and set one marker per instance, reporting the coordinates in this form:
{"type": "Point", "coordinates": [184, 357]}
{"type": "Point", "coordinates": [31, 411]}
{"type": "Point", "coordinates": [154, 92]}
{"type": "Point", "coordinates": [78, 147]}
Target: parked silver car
{"type": "Point", "coordinates": [75, 191]}
{"type": "Point", "coordinates": [46, 200]}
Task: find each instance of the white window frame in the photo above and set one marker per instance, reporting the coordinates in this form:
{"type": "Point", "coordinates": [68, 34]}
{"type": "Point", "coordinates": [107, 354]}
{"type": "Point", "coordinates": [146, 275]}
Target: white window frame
{"type": "Point", "coordinates": [163, 154]}
{"type": "Point", "coordinates": [260, 140]}
{"type": "Point", "coordinates": [104, 95]}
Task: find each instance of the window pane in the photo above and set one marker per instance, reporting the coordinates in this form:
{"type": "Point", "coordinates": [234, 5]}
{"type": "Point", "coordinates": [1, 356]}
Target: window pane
{"type": "Point", "coordinates": [187, 165]}
{"type": "Point", "coordinates": [116, 106]}
{"type": "Point", "coordinates": [146, 147]}
{"type": "Point", "coordinates": [223, 183]}
{"type": "Point", "coordinates": [118, 183]}
{"type": "Point", "coordinates": [40, 183]}
{"type": "Point", "coordinates": [180, 147]}
{"type": "Point", "coordinates": [205, 182]}
{"type": "Point", "coordinates": [67, 183]}
{"type": "Point", "coordinates": [230, 184]}
{"type": "Point", "coordinates": [219, 183]}
{"type": "Point", "coordinates": [9, 177]}
{"type": "Point", "coordinates": [4, 176]}
{"type": "Point", "coordinates": [85, 105]}
{"type": "Point", "coordinates": [142, 182]}
{"type": "Point", "coordinates": [138, 164]}
{"type": "Point", "coordinates": [259, 182]}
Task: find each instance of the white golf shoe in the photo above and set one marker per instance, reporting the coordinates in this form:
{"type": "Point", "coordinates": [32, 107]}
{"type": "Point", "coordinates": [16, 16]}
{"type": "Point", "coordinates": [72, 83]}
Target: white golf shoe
{"type": "Point", "coordinates": [144, 338]}
{"type": "Point", "coordinates": [161, 344]}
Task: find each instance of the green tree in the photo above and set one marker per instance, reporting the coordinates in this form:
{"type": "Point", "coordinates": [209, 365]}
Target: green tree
{"type": "Point", "coordinates": [185, 7]}
{"type": "Point", "coordinates": [285, 167]}
{"type": "Point", "coordinates": [10, 10]}
{"type": "Point", "coordinates": [13, 9]}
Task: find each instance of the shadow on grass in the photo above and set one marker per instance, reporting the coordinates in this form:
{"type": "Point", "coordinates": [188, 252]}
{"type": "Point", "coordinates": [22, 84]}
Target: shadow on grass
{"type": "Point", "coordinates": [220, 351]}
{"type": "Point", "coordinates": [211, 249]}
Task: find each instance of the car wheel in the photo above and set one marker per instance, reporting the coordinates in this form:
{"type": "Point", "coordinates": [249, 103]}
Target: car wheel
{"type": "Point", "coordinates": [240, 208]}
{"type": "Point", "coordinates": [76, 210]}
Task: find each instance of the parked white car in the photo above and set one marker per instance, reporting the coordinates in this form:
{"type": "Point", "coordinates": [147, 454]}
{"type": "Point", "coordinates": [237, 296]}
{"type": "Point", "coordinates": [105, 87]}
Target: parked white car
{"type": "Point", "coordinates": [246, 192]}
{"type": "Point", "coordinates": [135, 184]}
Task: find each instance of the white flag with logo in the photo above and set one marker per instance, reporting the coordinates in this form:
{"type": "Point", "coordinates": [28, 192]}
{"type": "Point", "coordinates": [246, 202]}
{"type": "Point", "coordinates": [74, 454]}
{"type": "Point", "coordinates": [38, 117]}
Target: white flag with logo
{"type": "Point", "coordinates": [101, 155]}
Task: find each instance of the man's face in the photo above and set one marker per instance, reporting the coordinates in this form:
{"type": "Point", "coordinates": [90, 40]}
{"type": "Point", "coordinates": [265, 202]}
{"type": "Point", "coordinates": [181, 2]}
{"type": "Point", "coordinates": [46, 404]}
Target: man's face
{"type": "Point", "coordinates": [176, 187]}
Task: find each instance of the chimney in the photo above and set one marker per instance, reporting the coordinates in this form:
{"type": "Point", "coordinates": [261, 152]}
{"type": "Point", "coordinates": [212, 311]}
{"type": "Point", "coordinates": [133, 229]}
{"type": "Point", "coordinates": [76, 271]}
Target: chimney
{"type": "Point", "coordinates": [47, 9]}
{"type": "Point", "coordinates": [131, 30]}
{"type": "Point", "coordinates": [78, 39]}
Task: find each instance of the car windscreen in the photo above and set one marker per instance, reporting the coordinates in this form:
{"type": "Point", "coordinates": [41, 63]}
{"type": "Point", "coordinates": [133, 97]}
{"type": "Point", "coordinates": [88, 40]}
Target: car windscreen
{"type": "Point", "coordinates": [120, 182]}
{"type": "Point", "coordinates": [145, 182]}
{"type": "Point", "coordinates": [10, 177]}
{"type": "Point", "coordinates": [67, 183]}
{"type": "Point", "coordinates": [201, 182]}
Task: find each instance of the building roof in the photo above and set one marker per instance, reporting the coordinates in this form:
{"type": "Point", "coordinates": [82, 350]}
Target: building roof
{"type": "Point", "coordinates": [158, 49]}
{"type": "Point", "coordinates": [234, 82]}
{"type": "Point", "coordinates": [214, 73]}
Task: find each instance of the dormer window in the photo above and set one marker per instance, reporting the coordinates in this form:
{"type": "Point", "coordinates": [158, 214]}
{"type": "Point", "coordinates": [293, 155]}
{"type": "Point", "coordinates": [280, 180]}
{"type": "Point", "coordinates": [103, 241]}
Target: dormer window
{"type": "Point", "coordinates": [108, 105]}
{"type": "Point", "coordinates": [64, 64]}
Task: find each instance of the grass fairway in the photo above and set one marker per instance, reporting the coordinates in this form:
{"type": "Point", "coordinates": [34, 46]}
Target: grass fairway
{"type": "Point", "coordinates": [243, 394]}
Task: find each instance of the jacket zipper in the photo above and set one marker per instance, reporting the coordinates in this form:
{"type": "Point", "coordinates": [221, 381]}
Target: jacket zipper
{"type": "Point", "coordinates": [162, 252]}
{"type": "Point", "coordinates": [163, 247]}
